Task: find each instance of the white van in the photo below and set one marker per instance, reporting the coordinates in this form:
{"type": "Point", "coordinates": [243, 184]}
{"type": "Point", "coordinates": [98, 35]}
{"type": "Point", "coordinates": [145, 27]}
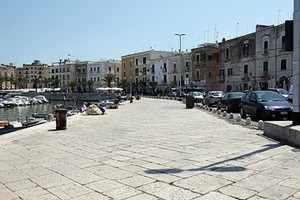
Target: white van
{"type": "Point", "coordinates": [290, 95]}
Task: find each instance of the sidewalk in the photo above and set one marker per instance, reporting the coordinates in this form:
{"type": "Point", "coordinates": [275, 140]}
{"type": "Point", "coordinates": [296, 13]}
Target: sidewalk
{"type": "Point", "coordinates": [148, 149]}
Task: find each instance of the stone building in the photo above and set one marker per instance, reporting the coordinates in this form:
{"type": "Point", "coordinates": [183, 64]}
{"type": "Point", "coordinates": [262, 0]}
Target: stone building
{"type": "Point", "coordinates": [206, 68]}
{"type": "Point", "coordinates": [237, 63]}
{"type": "Point", "coordinates": [273, 62]}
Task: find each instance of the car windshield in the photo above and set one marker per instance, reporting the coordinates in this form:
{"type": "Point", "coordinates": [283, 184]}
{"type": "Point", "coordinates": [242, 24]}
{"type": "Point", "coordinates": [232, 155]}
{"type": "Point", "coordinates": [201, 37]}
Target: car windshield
{"type": "Point", "coordinates": [270, 96]}
{"type": "Point", "coordinates": [197, 94]}
{"type": "Point", "coordinates": [282, 91]}
{"type": "Point", "coordinates": [216, 93]}
{"type": "Point", "coordinates": [236, 95]}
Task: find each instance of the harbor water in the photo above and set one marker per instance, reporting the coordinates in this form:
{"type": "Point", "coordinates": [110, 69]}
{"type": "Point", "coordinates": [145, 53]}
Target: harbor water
{"type": "Point", "coordinates": [19, 113]}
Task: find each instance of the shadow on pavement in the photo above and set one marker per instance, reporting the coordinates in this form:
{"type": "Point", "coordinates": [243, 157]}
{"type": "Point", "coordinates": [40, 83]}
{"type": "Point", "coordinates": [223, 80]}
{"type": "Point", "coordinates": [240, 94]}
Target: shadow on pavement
{"type": "Point", "coordinates": [213, 166]}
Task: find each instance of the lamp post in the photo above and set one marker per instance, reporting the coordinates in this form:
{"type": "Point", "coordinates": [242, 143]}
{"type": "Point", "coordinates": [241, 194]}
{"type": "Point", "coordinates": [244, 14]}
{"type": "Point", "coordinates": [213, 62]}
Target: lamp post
{"type": "Point", "coordinates": [180, 54]}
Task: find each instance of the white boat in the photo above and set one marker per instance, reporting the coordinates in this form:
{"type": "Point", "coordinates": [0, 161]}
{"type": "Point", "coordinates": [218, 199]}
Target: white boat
{"type": "Point", "coordinates": [42, 98]}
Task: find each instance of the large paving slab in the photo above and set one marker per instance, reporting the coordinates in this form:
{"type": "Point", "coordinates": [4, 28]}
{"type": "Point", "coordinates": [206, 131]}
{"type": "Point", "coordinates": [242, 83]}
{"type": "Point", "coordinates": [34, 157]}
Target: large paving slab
{"type": "Point", "coordinates": [148, 149]}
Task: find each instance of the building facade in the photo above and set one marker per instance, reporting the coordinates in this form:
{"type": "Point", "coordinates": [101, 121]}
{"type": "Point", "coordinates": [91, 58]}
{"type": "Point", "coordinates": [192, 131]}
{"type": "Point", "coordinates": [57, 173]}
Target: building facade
{"type": "Point", "coordinates": [7, 76]}
{"type": "Point", "coordinates": [206, 67]}
{"type": "Point", "coordinates": [35, 73]}
{"type": "Point", "coordinates": [96, 72]}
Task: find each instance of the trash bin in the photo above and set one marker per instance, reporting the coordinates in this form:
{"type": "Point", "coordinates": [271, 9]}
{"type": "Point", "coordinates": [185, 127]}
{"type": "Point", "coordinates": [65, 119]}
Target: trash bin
{"type": "Point", "coordinates": [61, 119]}
{"type": "Point", "coordinates": [189, 101]}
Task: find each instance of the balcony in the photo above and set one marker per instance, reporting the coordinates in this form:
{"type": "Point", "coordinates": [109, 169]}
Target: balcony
{"type": "Point", "coordinates": [246, 77]}
{"type": "Point", "coordinates": [221, 78]}
{"type": "Point", "coordinates": [265, 75]}
{"type": "Point", "coordinates": [174, 71]}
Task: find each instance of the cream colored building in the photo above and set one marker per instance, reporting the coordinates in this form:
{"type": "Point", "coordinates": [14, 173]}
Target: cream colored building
{"type": "Point", "coordinates": [7, 75]}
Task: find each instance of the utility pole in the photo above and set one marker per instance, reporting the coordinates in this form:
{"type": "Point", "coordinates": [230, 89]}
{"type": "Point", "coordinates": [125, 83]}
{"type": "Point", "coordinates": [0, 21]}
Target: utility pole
{"type": "Point", "coordinates": [180, 54]}
{"type": "Point", "coordinates": [296, 64]}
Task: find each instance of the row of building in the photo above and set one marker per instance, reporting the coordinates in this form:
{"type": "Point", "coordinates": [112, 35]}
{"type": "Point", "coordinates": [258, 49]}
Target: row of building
{"type": "Point", "coordinates": [258, 60]}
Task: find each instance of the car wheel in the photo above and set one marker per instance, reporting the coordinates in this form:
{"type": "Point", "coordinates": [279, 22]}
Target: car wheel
{"type": "Point", "coordinates": [242, 113]}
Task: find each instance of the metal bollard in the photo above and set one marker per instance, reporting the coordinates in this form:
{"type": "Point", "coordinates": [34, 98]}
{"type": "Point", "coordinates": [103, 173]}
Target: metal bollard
{"type": "Point", "coordinates": [61, 119]}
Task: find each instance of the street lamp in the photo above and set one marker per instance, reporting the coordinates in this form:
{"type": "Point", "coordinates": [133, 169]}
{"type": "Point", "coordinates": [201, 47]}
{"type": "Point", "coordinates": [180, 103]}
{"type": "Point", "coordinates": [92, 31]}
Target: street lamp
{"type": "Point", "coordinates": [180, 54]}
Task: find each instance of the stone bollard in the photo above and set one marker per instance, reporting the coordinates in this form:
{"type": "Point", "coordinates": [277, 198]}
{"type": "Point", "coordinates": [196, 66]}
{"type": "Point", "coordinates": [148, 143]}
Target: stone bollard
{"type": "Point", "coordinates": [50, 117]}
{"type": "Point", "coordinates": [260, 125]}
{"type": "Point", "coordinates": [248, 121]}
{"type": "Point", "coordinates": [230, 116]}
{"type": "Point", "coordinates": [219, 112]}
{"type": "Point", "coordinates": [238, 118]}
{"type": "Point", "coordinates": [214, 110]}
{"type": "Point", "coordinates": [224, 114]}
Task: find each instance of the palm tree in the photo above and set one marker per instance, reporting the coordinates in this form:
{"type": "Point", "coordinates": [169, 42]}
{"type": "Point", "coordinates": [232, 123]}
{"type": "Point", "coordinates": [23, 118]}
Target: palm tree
{"type": "Point", "coordinates": [90, 84]}
{"type": "Point", "coordinates": [35, 81]}
{"type": "Point", "coordinates": [109, 78]}
{"type": "Point", "coordinates": [122, 84]}
{"type": "Point", "coordinates": [12, 81]}
{"type": "Point", "coordinates": [55, 82]}
{"type": "Point", "coordinates": [46, 81]}
{"type": "Point", "coordinates": [6, 80]}
{"type": "Point", "coordinates": [72, 84]}
{"type": "Point", "coordinates": [153, 85]}
{"type": "Point", "coordinates": [1, 82]}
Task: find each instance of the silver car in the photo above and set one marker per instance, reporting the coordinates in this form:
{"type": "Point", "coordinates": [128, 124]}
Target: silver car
{"type": "Point", "coordinates": [213, 97]}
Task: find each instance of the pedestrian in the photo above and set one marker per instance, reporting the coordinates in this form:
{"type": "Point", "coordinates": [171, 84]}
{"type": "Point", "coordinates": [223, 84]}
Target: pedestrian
{"type": "Point", "coordinates": [102, 110]}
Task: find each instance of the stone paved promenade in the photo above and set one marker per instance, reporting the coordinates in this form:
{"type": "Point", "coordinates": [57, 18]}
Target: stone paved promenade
{"type": "Point", "coordinates": [150, 149]}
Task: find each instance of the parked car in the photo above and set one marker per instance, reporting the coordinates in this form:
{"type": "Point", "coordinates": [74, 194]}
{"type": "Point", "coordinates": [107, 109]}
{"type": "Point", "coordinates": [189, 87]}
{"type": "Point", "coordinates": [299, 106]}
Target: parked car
{"type": "Point", "coordinates": [212, 97]}
{"type": "Point", "coordinates": [290, 94]}
{"type": "Point", "coordinates": [265, 105]}
{"type": "Point", "coordinates": [281, 91]}
{"type": "Point", "coordinates": [230, 101]}
{"type": "Point", "coordinates": [198, 96]}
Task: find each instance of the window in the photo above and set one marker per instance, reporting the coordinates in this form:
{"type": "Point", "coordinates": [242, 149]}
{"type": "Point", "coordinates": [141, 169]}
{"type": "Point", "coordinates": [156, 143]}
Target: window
{"type": "Point", "coordinates": [198, 58]}
{"type": "Point", "coordinates": [266, 46]}
{"type": "Point", "coordinates": [123, 66]}
{"type": "Point", "coordinates": [152, 70]}
{"type": "Point", "coordinates": [144, 60]}
{"type": "Point", "coordinates": [209, 57]}
{"type": "Point", "coordinates": [186, 63]}
{"type": "Point", "coordinates": [253, 97]}
{"type": "Point", "coordinates": [91, 69]}
{"type": "Point", "coordinates": [174, 79]}
{"type": "Point", "coordinates": [198, 75]}
{"type": "Point", "coordinates": [227, 54]}
{"type": "Point", "coordinates": [117, 69]}
{"type": "Point", "coordinates": [283, 42]}
{"type": "Point", "coordinates": [245, 69]}
{"type": "Point", "coordinates": [209, 74]}
{"type": "Point", "coordinates": [246, 49]}
{"type": "Point", "coordinates": [165, 78]}
{"type": "Point", "coordinates": [153, 79]}
{"type": "Point", "coordinates": [283, 64]}
{"type": "Point", "coordinates": [174, 67]}
{"type": "Point", "coordinates": [136, 61]}
{"type": "Point", "coordinates": [137, 71]}
{"type": "Point", "coordinates": [265, 66]}
{"type": "Point", "coordinates": [229, 72]}
{"type": "Point", "coordinates": [109, 69]}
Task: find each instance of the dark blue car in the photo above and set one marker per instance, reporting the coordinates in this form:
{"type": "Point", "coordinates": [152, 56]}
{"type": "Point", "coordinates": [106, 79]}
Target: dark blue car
{"type": "Point", "coordinates": [265, 105]}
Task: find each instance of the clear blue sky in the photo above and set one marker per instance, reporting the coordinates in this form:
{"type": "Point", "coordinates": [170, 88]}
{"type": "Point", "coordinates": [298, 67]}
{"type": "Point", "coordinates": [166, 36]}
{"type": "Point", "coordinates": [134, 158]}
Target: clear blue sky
{"type": "Point", "coordinates": [108, 29]}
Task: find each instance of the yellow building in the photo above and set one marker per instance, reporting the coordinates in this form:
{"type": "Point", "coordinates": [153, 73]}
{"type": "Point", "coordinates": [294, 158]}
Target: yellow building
{"type": "Point", "coordinates": [136, 67]}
